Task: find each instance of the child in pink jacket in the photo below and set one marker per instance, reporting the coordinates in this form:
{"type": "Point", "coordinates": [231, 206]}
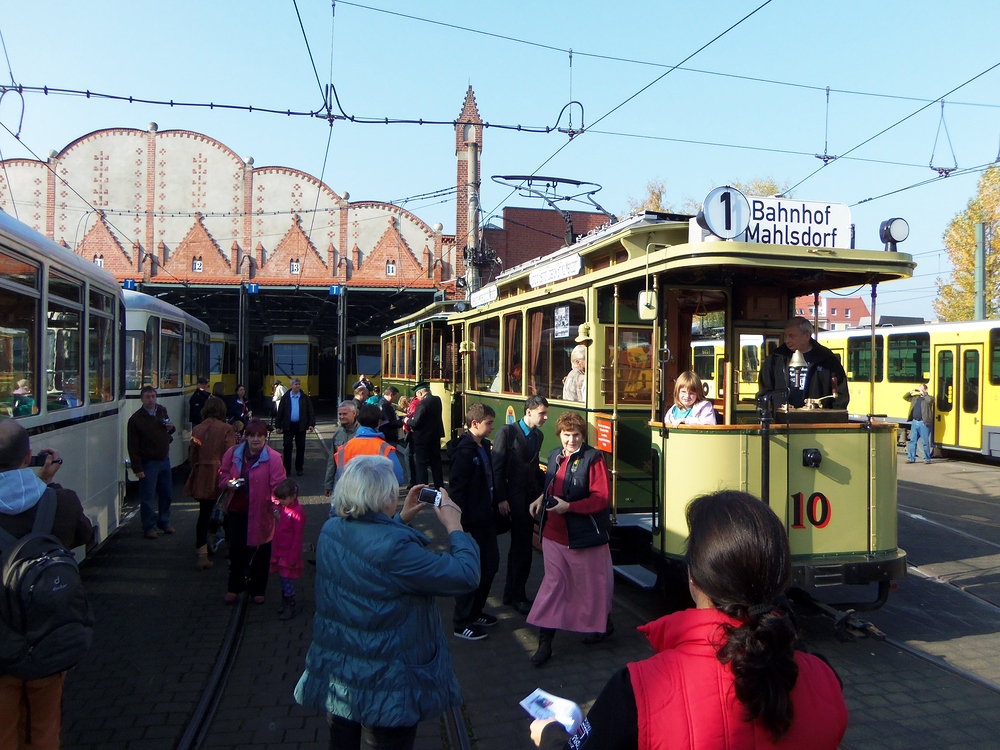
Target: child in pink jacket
{"type": "Point", "coordinates": [286, 550]}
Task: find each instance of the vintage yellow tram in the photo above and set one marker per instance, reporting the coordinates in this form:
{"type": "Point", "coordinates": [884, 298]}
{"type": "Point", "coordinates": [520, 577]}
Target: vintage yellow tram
{"type": "Point", "coordinates": [625, 298]}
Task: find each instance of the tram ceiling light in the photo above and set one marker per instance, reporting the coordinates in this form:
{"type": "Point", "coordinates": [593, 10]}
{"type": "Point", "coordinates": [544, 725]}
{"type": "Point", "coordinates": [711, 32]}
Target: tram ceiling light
{"type": "Point", "coordinates": [892, 231]}
{"type": "Point", "coordinates": [811, 458]}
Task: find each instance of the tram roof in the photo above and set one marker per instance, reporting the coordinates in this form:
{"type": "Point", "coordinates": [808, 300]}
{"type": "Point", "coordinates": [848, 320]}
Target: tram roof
{"type": "Point", "coordinates": [440, 310]}
{"type": "Point", "coordinates": [26, 237]}
{"type": "Point", "coordinates": [660, 244]}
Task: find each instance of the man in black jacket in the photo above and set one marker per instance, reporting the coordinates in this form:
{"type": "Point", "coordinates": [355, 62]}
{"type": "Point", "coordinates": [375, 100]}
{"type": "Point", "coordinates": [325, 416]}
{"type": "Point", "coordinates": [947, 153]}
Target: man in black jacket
{"type": "Point", "coordinates": [197, 401]}
{"type": "Point", "coordinates": [391, 421]}
{"type": "Point", "coordinates": [823, 377]}
{"type": "Point", "coordinates": [148, 436]}
{"type": "Point", "coordinates": [295, 418]}
{"type": "Point", "coordinates": [518, 480]}
{"type": "Point", "coordinates": [470, 485]}
{"type": "Point", "coordinates": [426, 431]}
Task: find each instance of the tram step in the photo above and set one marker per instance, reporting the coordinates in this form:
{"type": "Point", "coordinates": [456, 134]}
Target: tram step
{"type": "Point", "coordinates": [638, 574]}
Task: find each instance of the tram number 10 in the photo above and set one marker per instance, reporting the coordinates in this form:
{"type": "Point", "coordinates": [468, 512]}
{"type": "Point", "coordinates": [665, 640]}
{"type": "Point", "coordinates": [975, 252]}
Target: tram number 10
{"type": "Point", "coordinates": [816, 510]}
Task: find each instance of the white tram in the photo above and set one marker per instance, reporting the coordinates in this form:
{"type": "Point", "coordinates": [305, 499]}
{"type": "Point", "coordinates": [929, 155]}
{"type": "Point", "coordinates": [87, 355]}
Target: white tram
{"type": "Point", "coordinates": [61, 323]}
{"type": "Point", "coordinates": [168, 349]}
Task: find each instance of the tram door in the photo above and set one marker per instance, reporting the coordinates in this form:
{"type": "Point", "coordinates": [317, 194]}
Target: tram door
{"type": "Point", "coordinates": [958, 396]}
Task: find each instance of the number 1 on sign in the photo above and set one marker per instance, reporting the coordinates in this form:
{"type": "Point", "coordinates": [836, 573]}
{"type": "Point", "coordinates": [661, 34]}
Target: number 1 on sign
{"type": "Point", "coordinates": [727, 200]}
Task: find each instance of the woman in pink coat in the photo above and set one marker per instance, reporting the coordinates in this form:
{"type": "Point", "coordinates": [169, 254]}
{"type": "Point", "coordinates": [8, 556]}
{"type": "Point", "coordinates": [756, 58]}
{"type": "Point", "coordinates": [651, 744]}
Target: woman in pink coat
{"type": "Point", "coordinates": [252, 471]}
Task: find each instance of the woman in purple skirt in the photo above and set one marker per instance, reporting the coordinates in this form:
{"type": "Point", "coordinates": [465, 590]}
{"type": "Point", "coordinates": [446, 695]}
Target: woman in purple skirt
{"type": "Point", "coordinates": [578, 584]}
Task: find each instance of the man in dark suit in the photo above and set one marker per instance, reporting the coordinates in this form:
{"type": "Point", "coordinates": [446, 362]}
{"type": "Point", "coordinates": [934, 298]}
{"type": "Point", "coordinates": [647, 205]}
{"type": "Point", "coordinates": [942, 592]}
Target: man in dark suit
{"type": "Point", "coordinates": [426, 430]}
{"type": "Point", "coordinates": [295, 418]}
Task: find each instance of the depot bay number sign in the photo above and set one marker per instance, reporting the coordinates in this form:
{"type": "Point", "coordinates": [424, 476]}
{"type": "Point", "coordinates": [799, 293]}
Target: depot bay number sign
{"type": "Point", "coordinates": [728, 214]}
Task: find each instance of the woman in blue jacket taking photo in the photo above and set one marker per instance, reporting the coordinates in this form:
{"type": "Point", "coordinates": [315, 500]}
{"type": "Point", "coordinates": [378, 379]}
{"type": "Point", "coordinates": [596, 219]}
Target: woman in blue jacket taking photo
{"type": "Point", "coordinates": [379, 663]}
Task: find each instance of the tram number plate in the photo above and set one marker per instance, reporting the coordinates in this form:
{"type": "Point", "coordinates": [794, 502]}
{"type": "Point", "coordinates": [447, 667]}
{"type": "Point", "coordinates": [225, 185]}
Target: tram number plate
{"type": "Point", "coordinates": [814, 510]}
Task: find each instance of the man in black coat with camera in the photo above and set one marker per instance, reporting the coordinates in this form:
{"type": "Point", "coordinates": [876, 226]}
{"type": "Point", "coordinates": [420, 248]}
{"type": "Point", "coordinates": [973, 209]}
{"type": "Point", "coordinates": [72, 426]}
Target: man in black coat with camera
{"type": "Point", "coordinates": [426, 431]}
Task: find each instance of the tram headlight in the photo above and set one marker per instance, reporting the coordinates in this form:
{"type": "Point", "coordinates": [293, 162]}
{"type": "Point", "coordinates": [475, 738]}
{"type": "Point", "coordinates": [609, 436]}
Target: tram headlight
{"type": "Point", "coordinates": [892, 231]}
{"type": "Point", "coordinates": [811, 458]}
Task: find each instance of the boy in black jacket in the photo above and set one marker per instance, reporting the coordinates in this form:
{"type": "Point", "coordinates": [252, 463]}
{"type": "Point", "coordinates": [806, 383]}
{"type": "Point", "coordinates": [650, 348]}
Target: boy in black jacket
{"type": "Point", "coordinates": [471, 488]}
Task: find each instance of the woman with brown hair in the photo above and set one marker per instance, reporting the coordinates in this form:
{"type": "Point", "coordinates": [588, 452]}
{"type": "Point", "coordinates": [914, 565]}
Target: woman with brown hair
{"type": "Point", "coordinates": [209, 441]}
{"type": "Point", "coordinates": [578, 584]}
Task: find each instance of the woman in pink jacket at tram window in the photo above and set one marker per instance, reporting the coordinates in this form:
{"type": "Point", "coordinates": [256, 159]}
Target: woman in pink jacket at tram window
{"type": "Point", "coordinates": [690, 405]}
{"type": "Point", "coordinates": [252, 471]}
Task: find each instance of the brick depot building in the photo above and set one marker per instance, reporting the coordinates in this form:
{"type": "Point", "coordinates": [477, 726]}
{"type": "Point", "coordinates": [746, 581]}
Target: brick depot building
{"type": "Point", "coordinates": [186, 218]}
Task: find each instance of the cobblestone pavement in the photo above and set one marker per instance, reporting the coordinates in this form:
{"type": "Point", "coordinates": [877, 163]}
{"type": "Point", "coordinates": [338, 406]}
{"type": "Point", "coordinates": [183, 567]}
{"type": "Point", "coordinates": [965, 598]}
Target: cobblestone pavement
{"type": "Point", "coordinates": [160, 623]}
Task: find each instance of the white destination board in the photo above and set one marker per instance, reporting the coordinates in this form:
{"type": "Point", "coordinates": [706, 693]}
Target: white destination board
{"type": "Point", "coordinates": [557, 270]}
{"type": "Point", "coordinates": [784, 221]}
{"type": "Point", "coordinates": [483, 296]}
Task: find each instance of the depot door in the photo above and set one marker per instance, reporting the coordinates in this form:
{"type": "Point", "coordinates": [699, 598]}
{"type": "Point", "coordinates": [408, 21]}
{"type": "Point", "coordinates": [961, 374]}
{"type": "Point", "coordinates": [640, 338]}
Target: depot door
{"type": "Point", "coordinates": [958, 396]}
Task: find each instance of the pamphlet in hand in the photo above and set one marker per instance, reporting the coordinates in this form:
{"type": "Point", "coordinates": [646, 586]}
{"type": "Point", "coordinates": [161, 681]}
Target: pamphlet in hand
{"type": "Point", "coordinates": [542, 705]}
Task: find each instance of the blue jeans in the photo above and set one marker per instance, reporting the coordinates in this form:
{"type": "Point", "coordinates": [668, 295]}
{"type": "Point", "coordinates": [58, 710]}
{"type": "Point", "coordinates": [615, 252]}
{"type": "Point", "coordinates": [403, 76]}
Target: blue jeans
{"type": "Point", "coordinates": [919, 431]}
{"type": "Point", "coordinates": [156, 481]}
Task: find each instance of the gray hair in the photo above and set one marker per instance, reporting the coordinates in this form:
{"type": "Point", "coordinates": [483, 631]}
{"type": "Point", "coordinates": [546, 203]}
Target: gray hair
{"type": "Point", "coordinates": [578, 353]}
{"type": "Point", "coordinates": [366, 485]}
{"type": "Point", "coordinates": [349, 404]}
{"type": "Point", "coordinates": [801, 323]}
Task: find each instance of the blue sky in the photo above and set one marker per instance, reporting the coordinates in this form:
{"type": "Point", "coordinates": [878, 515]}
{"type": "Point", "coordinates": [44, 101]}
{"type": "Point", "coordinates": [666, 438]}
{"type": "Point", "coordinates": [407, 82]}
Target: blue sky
{"type": "Point", "coordinates": [692, 130]}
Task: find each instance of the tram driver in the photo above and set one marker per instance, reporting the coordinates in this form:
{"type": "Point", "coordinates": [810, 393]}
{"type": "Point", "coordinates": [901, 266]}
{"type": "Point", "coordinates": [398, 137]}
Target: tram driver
{"type": "Point", "coordinates": [822, 379]}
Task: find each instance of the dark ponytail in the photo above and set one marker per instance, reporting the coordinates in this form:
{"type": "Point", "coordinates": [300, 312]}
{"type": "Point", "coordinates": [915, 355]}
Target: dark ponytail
{"type": "Point", "coordinates": [738, 556]}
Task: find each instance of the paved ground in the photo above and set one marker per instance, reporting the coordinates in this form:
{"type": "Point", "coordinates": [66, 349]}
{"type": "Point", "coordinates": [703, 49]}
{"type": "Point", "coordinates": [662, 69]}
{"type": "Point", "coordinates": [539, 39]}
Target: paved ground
{"type": "Point", "coordinates": [161, 622]}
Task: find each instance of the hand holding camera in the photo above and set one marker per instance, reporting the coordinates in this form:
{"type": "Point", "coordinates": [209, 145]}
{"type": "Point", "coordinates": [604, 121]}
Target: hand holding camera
{"type": "Point", "coordinates": [235, 484]}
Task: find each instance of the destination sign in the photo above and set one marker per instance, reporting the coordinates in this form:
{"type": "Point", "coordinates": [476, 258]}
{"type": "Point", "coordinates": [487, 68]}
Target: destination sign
{"type": "Point", "coordinates": [483, 296]}
{"type": "Point", "coordinates": [780, 221]}
{"type": "Point", "coordinates": [557, 270]}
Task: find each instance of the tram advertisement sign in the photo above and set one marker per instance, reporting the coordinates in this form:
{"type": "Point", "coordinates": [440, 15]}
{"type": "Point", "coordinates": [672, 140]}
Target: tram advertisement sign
{"type": "Point", "coordinates": [560, 321]}
{"type": "Point", "coordinates": [557, 270]}
{"type": "Point", "coordinates": [605, 436]}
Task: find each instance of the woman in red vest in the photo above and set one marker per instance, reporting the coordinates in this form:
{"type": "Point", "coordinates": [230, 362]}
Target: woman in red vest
{"type": "Point", "coordinates": [726, 674]}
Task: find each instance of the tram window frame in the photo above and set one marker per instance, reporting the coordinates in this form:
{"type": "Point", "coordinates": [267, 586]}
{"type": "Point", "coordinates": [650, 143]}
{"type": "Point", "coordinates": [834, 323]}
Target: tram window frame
{"type": "Point", "coordinates": [859, 355]}
{"type": "Point", "coordinates": [171, 354]}
{"type": "Point", "coordinates": [904, 351]}
{"type": "Point", "coordinates": [20, 281]}
{"type": "Point", "coordinates": [297, 360]}
{"type": "Point", "coordinates": [970, 395]}
{"type": "Point", "coordinates": [944, 389]}
{"type": "Point", "coordinates": [484, 369]}
{"type": "Point", "coordinates": [995, 356]}
{"type": "Point", "coordinates": [431, 350]}
{"type": "Point", "coordinates": [513, 351]}
{"type": "Point", "coordinates": [699, 356]}
{"type": "Point", "coordinates": [217, 357]}
{"type": "Point", "coordinates": [630, 372]}
{"type": "Point", "coordinates": [189, 360]}
{"type": "Point", "coordinates": [64, 342]}
{"type": "Point", "coordinates": [151, 353]}
{"type": "Point", "coordinates": [410, 355]}
{"type": "Point", "coordinates": [550, 363]}
{"type": "Point", "coordinates": [100, 348]}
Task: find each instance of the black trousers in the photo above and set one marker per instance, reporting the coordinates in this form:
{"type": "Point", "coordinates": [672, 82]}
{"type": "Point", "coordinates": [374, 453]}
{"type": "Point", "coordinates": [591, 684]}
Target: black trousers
{"type": "Point", "coordinates": [427, 455]}
{"type": "Point", "coordinates": [203, 527]}
{"type": "Point", "coordinates": [469, 606]}
{"type": "Point", "coordinates": [299, 436]}
{"type": "Point", "coordinates": [522, 527]}
{"type": "Point", "coordinates": [350, 735]}
{"type": "Point", "coordinates": [248, 566]}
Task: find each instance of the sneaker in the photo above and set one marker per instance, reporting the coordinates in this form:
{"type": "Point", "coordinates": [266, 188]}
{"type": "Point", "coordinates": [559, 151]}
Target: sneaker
{"type": "Point", "coordinates": [151, 534]}
{"type": "Point", "coordinates": [910, 461]}
{"type": "Point", "coordinates": [486, 621]}
{"type": "Point", "coordinates": [168, 530]}
{"type": "Point", "coordinates": [470, 632]}
{"type": "Point", "coordinates": [927, 461]}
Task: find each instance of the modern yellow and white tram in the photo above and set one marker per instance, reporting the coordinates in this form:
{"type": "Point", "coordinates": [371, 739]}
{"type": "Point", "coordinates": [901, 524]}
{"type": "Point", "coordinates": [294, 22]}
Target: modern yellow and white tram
{"type": "Point", "coordinates": [223, 362]}
{"type": "Point", "coordinates": [61, 324]}
{"type": "Point", "coordinates": [168, 349]}
{"type": "Point", "coordinates": [288, 356]}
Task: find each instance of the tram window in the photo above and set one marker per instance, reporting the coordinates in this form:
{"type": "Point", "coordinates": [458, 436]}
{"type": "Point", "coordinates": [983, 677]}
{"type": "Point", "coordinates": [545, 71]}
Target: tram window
{"type": "Point", "coordinates": [151, 353]}
{"type": "Point", "coordinates": [389, 357]}
{"type": "Point", "coordinates": [995, 356]}
{"type": "Point", "coordinates": [635, 365]}
{"type": "Point", "coordinates": [484, 367]}
{"type": "Point", "coordinates": [970, 381]}
{"type": "Point", "coordinates": [859, 357]}
{"type": "Point", "coordinates": [513, 380]}
{"type": "Point", "coordinates": [550, 346]}
{"type": "Point", "coordinates": [291, 360]}
{"type": "Point", "coordinates": [102, 302]}
{"type": "Point", "coordinates": [67, 289]}
{"type": "Point", "coordinates": [410, 355]}
{"type": "Point", "coordinates": [101, 358]}
{"type": "Point", "coordinates": [18, 358]}
{"type": "Point", "coordinates": [909, 357]}
{"type": "Point", "coordinates": [945, 380]}
{"type": "Point", "coordinates": [704, 362]}
{"type": "Point", "coordinates": [134, 350]}
{"type": "Point", "coordinates": [171, 345]}
{"type": "Point", "coordinates": [218, 349]}
{"type": "Point", "coordinates": [431, 346]}
{"type": "Point", "coordinates": [18, 271]}
{"type": "Point", "coordinates": [63, 352]}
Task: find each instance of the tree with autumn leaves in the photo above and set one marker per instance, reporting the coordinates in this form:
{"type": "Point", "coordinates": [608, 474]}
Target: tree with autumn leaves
{"type": "Point", "coordinates": [957, 296]}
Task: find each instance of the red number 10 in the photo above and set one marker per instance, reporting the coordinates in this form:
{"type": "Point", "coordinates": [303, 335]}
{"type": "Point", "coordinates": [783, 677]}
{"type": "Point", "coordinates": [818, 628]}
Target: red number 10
{"type": "Point", "coordinates": [816, 510]}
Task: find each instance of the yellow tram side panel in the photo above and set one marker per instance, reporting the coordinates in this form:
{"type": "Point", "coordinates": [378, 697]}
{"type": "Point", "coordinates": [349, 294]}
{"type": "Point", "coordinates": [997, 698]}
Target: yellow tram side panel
{"type": "Point", "coordinates": [855, 525]}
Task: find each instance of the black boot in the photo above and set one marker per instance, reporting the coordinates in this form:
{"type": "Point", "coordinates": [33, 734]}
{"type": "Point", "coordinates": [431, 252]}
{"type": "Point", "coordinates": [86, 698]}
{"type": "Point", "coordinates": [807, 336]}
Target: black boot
{"type": "Point", "coordinates": [598, 637]}
{"type": "Point", "coordinates": [290, 609]}
{"type": "Point", "coordinates": [544, 652]}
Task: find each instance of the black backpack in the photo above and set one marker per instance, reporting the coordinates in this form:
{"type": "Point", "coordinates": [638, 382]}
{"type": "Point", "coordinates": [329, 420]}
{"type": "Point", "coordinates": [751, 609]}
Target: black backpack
{"type": "Point", "coordinates": [46, 623]}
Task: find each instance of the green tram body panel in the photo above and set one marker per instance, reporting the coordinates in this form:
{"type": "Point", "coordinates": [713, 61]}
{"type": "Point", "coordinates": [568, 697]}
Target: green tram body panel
{"type": "Point", "coordinates": [842, 513]}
